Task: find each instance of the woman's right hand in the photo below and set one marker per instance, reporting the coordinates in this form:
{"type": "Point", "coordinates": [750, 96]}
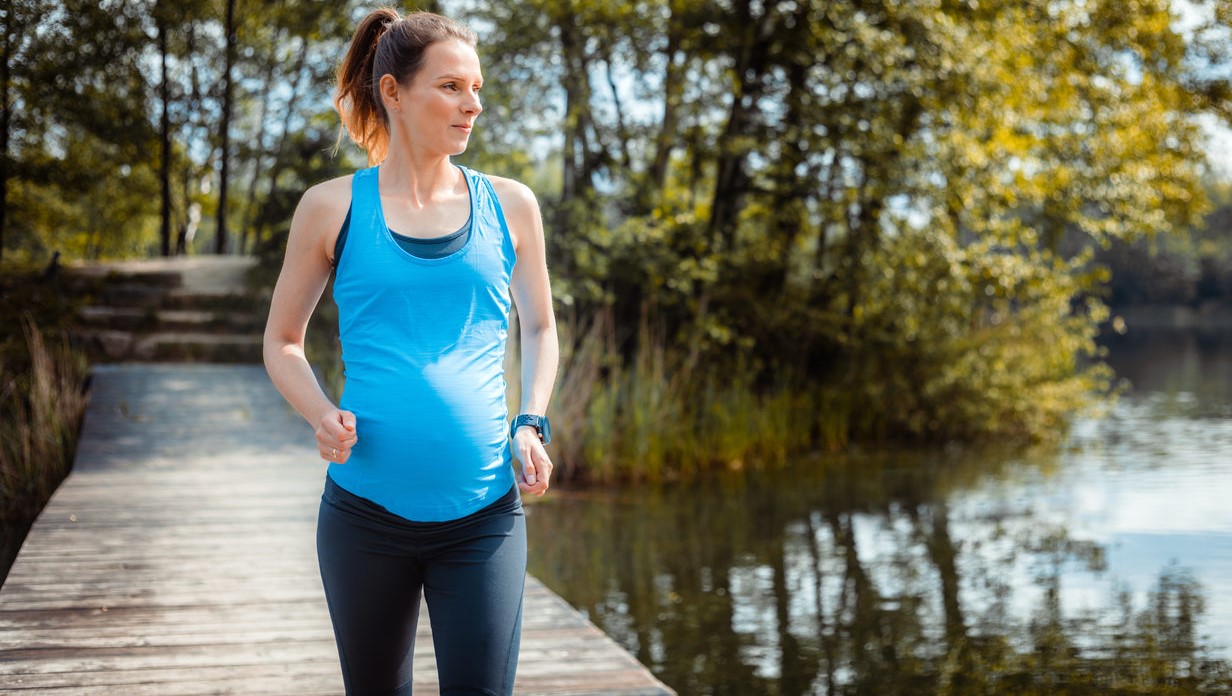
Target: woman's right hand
{"type": "Point", "coordinates": [336, 435]}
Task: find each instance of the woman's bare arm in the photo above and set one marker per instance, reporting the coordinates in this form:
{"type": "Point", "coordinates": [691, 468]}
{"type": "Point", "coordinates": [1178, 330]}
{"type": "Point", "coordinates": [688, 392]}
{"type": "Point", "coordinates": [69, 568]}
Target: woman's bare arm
{"type": "Point", "coordinates": [540, 350]}
{"type": "Point", "coordinates": [305, 271]}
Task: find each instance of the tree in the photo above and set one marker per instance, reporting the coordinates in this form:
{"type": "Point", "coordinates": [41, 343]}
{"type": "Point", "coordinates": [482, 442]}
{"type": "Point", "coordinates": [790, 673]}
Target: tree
{"type": "Point", "coordinates": [17, 18]}
{"type": "Point", "coordinates": [164, 131]}
{"type": "Point", "coordinates": [291, 50]}
{"type": "Point", "coordinates": [871, 195]}
{"type": "Point", "coordinates": [77, 127]}
{"type": "Point", "coordinates": [224, 129]}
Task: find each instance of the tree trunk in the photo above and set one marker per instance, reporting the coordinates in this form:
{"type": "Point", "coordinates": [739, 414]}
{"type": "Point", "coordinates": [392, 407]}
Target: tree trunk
{"type": "Point", "coordinates": [572, 99]}
{"type": "Point", "coordinates": [220, 235]}
{"type": "Point", "coordinates": [791, 190]}
{"type": "Point", "coordinates": [731, 179]}
{"type": "Point", "coordinates": [259, 154]}
{"type": "Point", "coordinates": [7, 38]}
{"type": "Point", "coordinates": [583, 149]}
{"type": "Point", "coordinates": [673, 92]}
{"type": "Point", "coordinates": [164, 169]}
{"type": "Point", "coordinates": [272, 178]}
{"type": "Point", "coordinates": [188, 228]}
{"type": "Point", "coordinates": [622, 132]}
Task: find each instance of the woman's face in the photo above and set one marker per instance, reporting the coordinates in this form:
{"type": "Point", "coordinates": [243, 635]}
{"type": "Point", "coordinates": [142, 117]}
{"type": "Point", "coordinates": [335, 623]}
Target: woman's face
{"type": "Point", "coordinates": [441, 104]}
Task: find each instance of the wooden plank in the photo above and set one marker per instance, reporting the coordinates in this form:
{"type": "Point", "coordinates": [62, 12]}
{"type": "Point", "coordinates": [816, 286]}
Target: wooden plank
{"type": "Point", "coordinates": [179, 558]}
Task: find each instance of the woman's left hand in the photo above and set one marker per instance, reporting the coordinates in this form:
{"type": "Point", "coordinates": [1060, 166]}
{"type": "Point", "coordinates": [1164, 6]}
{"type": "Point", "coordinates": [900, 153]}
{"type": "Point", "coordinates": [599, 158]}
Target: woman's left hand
{"type": "Point", "coordinates": [536, 466]}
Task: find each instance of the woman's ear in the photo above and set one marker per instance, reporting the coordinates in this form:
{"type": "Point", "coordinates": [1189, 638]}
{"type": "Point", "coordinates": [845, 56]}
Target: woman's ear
{"type": "Point", "coordinates": [389, 94]}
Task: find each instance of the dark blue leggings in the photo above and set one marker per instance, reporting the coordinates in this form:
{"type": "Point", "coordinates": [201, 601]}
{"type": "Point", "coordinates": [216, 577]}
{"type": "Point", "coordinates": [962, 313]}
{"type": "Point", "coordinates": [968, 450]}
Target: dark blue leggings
{"type": "Point", "coordinates": [471, 571]}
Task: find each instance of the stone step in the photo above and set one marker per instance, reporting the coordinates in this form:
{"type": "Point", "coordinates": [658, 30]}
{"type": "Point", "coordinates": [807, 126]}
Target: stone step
{"type": "Point", "coordinates": [164, 279]}
{"type": "Point", "coordinates": [118, 318]}
{"type": "Point", "coordinates": [81, 276]}
{"type": "Point", "coordinates": [113, 345]}
{"type": "Point", "coordinates": [103, 345]}
{"type": "Point", "coordinates": [198, 347]}
{"type": "Point", "coordinates": [138, 295]}
{"type": "Point", "coordinates": [196, 309]}
{"type": "Point", "coordinates": [184, 298]}
{"type": "Point", "coordinates": [148, 319]}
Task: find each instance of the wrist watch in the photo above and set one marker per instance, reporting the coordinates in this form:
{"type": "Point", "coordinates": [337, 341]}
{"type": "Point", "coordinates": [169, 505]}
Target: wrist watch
{"type": "Point", "coordinates": [539, 423]}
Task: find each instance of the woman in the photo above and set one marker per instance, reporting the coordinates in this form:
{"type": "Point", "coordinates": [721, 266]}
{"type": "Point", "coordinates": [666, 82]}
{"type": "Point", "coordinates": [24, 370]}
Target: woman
{"type": "Point", "coordinates": [420, 494]}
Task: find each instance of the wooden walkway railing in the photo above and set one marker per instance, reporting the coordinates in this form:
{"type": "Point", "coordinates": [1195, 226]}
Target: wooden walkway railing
{"type": "Point", "coordinates": [178, 558]}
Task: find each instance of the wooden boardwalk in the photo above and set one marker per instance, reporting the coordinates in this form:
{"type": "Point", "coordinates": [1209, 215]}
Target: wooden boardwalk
{"type": "Point", "coordinates": [179, 558]}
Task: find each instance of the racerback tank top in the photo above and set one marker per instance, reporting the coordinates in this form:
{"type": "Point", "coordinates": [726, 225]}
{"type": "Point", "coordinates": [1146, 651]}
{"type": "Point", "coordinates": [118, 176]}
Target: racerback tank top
{"type": "Point", "coordinates": [423, 345]}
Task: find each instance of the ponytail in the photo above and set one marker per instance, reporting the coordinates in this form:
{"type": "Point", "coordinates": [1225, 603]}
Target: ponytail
{"type": "Point", "coordinates": [384, 44]}
{"type": "Point", "coordinates": [363, 114]}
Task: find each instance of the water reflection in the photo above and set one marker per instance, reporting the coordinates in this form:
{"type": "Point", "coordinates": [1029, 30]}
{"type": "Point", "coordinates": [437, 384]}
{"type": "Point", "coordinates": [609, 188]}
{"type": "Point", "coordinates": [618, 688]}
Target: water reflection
{"type": "Point", "coordinates": [1100, 569]}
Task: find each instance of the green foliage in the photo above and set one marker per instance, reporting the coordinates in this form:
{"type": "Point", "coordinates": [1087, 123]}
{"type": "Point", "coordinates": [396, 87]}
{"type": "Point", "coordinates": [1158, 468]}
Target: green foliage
{"type": "Point", "coordinates": [821, 190]}
{"type": "Point", "coordinates": [870, 197]}
{"type": "Point", "coordinates": [83, 106]}
{"type": "Point", "coordinates": [974, 341]}
{"type": "Point", "coordinates": [76, 138]}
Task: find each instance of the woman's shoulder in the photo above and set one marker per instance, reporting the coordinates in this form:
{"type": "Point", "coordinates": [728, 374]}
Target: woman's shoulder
{"type": "Point", "coordinates": [329, 194]}
{"type": "Point", "coordinates": [520, 209]}
{"type": "Point", "coordinates": [515, 197]}
{"type": "Point", "coordinates": [322, 210]}
{"type": "Point", "coordinates": [327, 202]}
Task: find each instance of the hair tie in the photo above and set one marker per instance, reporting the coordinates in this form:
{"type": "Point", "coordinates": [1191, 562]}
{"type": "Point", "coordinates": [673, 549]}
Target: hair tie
{"type": "Point", "coordinates": [385, 27]}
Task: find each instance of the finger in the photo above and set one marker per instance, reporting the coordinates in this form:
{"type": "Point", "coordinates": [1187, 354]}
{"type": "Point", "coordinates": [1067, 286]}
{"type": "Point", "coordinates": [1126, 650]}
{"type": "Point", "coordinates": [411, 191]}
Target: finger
{"type": "Point", "coordinates": [334, 433]}
{"type": "Point", "coordinates": [542, 479]}
{"type": "Point", "coordinates": [333, 447]}
{"type": "Point", "coordinates": [543, 464]}
{"type": "Point", "coordinates": [537, 489]}
{"type": "Point", "coordinates": [337, 454]}
{"type": "Point", "coordinates": [332, 426]}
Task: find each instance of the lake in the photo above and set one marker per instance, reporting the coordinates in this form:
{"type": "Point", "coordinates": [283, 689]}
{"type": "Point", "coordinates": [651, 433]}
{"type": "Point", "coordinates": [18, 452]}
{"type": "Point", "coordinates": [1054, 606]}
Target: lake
{"type": "Point", "coordinates": [1102, 567]}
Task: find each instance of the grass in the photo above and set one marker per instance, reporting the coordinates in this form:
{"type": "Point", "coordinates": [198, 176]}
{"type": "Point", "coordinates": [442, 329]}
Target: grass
{"type": "Point", "coordinates": [42, 393]}
{"type": "Point", "coordinates": [41, 404]}
{"type": "Point", "coordinates": [660, 416]}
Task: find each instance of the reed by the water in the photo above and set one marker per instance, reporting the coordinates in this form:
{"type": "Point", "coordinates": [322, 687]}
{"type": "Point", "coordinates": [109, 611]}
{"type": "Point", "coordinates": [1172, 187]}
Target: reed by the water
{"type": "Point", "coordinates": [42, 401]}
{"type": "Point", "coordinates": [42, 411]}
{"type": "Point", "coordinates": [661, 416]}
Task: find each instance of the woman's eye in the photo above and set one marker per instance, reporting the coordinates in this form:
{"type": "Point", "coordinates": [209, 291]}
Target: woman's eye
{"type": "Point", "coordinates": [450, 85]}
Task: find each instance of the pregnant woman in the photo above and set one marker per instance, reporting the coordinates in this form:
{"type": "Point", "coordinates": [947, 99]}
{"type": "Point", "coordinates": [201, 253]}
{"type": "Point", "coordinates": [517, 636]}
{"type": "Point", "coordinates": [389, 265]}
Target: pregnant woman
{"type": "Point", "coordinates": [421, 496]}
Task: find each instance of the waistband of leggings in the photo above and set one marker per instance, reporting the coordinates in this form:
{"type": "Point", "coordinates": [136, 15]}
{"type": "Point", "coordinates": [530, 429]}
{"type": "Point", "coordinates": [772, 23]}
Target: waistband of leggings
{"type": "Point", "coordinates": [342, 498]}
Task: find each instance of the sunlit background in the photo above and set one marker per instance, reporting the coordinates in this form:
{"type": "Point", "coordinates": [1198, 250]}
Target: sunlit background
{"type": "Point", "coordinates": [896, 335]}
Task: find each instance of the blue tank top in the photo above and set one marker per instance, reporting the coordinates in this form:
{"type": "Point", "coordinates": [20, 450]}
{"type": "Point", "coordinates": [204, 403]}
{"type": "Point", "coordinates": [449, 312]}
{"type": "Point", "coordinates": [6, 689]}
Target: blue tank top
{"type": "Point", "coordinates": [423, 345]}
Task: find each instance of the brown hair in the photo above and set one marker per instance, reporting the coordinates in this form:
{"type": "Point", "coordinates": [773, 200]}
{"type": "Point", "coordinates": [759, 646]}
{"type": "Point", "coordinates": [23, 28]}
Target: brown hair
{"type": "Point", "coordinates": [385, 44]}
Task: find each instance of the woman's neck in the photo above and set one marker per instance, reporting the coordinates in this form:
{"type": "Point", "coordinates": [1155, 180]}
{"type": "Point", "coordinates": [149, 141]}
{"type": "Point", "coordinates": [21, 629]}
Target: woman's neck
{"type": "Point", "coordinates": [419, 179]}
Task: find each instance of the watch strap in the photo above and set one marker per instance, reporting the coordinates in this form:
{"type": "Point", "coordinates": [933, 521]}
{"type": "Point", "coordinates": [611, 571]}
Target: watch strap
{"type": "Point", "coordinates": [533, 420]}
